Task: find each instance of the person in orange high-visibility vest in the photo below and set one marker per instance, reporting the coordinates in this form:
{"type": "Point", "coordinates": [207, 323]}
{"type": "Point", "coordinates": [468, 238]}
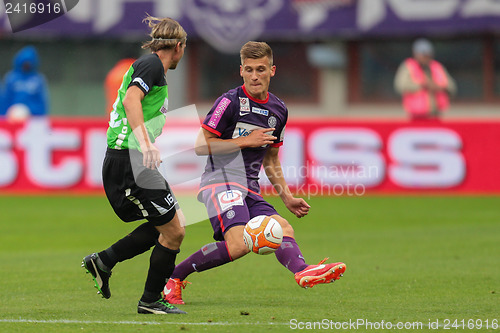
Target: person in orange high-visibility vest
{"type": "Point", "coordinates": [424, 83]}
{"type": "Point", "coordinates": [114, 80]}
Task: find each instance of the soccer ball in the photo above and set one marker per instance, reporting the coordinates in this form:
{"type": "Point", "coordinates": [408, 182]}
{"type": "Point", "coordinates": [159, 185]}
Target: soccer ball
{"type": "Point", "coordinates": [263, 234]}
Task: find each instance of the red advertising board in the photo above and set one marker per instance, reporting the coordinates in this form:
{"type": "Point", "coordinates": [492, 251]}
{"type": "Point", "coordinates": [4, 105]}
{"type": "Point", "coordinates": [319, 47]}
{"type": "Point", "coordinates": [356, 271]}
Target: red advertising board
{"type": "Point", "coordinates": [321, 156]}
{"type": "Point", "coordinates": [402, 156]}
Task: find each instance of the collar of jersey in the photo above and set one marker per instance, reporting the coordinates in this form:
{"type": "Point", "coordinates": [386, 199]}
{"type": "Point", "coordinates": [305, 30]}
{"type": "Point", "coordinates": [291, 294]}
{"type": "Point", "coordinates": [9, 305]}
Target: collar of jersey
{"type": "Point", "coordinates": [261, 101]}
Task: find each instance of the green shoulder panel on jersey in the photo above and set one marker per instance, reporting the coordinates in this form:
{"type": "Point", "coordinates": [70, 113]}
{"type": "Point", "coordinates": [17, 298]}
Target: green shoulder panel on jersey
{"type": "Point", "coordinates": [154, 104]}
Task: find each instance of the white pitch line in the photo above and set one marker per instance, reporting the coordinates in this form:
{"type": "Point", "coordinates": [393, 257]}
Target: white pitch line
{"type": "Point", "coordinates": [70, 321]}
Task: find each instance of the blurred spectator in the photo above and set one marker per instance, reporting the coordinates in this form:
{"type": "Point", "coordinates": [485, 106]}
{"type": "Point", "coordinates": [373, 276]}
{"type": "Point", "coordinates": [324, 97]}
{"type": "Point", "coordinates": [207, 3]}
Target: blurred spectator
{"type": "Point", "coordinates": [424, 83]}
{"type": "Point", "coordinates": [2, 99]}
{"type": "Point", "coordinates": [114, 80]}
{"type": "Point", "coordinates": [25, 89]}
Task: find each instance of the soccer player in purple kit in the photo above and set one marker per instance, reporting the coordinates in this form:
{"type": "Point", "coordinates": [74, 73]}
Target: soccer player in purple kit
{"type": "Point", "coordinates": [246, 124]}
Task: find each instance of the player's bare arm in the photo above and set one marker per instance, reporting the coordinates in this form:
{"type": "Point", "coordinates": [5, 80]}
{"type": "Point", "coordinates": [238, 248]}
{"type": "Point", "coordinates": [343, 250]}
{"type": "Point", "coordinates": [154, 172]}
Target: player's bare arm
{"type": "Point", "coordinates": [272, 166]}
{"type": "Point", "coordinates": [133, 109]}
{"type": "Point", "coordinates": [210, 143]}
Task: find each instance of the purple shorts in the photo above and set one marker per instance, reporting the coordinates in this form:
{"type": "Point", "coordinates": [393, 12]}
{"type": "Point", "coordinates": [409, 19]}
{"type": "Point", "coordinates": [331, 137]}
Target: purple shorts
{"type": "Point", "coordinates": [231, 205]}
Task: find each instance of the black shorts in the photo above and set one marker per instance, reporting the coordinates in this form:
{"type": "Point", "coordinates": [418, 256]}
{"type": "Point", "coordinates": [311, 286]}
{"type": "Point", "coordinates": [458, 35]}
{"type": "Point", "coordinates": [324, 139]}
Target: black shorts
{"type": "Point", "coordinates": [135, 192]}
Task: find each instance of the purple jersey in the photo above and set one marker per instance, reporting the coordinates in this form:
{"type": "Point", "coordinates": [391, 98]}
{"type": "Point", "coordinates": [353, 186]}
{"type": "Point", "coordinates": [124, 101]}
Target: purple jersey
{"type": "Point", "coordinates": [236, 114]}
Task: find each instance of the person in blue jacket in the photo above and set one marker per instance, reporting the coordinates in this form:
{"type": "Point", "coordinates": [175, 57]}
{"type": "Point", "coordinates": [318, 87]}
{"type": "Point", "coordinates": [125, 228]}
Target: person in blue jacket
{"type": "Point", "coordinates": [2, 103]}
{"type": "Point", "coordinates": [24, 84]}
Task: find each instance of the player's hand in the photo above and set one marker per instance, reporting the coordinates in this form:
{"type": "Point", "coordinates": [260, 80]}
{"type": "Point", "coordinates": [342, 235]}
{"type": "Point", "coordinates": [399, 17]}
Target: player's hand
{"type": "Point", "coordinates": [259, 138]}
{"type": "Point", "coordinates": [151, 157]}
{"type": "Point", "coordinates": [298, 206]}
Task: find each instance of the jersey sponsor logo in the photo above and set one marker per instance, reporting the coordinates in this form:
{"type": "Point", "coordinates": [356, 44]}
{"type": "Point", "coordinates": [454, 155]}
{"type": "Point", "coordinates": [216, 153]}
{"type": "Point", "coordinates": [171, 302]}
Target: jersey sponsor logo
{"type": "Point", "coordinates": [272, 121]}
{"type": "Point", "coordinates": [244, 129]}
{"type": "Point", "coordinates": [142, 83]}
{"type": "Point", "coordinates": [263, 112]}
{"type": "Point", "coordinates": [244, 106]}
{"type": "Point", "coordinates": [243, 132]}
{"type": "Point", "coordinates": [219, 111]}
{"type": "Point", "coordinates": [164, 107]}
{"type": "Point", "coordinates": [230, 198]}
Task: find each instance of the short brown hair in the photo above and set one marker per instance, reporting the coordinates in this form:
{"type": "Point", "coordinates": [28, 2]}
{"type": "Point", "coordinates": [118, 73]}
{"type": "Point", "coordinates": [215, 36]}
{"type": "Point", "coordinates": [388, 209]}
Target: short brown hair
{"type": "Point", "coordinates": [256, 50]}
{"type": "Point", "coordinates": [165, 33]}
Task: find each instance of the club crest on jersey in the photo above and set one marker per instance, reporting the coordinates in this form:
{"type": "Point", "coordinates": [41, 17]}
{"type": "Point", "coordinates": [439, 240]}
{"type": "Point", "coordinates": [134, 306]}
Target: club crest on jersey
{"type": "Point", "coordinates": [244, 106]}
{"type": "Point", "coordinates": [263, 112]}
{"type": "Point", "coordinates": [230, 214]}
{"type": "Point", "coordinates": [272, 121]}
{"type": "Point", "coordinates": [228, 199]}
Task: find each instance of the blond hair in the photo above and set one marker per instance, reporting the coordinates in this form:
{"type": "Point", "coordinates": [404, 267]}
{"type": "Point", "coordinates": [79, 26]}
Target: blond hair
{"type": "Point", "coordinates": [256, 50]}
{"type": "Point", "coordinates": [165, 33]}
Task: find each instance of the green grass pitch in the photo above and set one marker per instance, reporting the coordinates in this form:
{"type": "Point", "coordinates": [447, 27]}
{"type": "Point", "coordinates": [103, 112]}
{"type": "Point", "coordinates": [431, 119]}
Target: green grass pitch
{"type": "Point", "coordinates": [409, 259]}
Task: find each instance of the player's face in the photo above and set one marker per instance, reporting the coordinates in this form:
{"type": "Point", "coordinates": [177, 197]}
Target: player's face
{"type": "Point", "coordinates": [257, 74]}
{"type": "Point", "coordinates": [179, 53]}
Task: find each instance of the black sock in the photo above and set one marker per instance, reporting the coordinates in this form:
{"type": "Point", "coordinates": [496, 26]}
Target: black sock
{"type": "Point", "coordinates": [161, 266]}
{"type": "Point", "coordinates": [138, 241]}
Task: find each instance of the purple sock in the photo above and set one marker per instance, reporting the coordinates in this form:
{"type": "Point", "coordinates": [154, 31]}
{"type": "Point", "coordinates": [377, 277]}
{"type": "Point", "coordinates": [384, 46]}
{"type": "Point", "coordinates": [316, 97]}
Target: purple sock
{"type": "Point", "coordinates": [209, 256]}
{"type": "Point", "coordinates": [289, 255]}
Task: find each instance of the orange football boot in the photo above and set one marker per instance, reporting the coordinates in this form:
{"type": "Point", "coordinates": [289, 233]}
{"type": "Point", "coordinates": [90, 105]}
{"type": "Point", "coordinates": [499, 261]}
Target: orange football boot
{"type": "Point", "coordinates": [320, 273]}
{"type": "Point", "coordinates": [172, 292]}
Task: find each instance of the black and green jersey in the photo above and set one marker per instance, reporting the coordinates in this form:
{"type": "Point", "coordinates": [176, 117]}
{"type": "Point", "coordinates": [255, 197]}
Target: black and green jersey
{"type": "Point", "coordinates": [148, 74]}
